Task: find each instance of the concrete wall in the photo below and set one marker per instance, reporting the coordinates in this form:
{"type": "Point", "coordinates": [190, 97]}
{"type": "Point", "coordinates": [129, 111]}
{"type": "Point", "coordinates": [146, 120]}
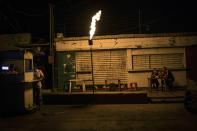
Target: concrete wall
{"type": "Point", "coordinates": [123, 43]}
{"type": "Point", "coordinates": [141, 76]}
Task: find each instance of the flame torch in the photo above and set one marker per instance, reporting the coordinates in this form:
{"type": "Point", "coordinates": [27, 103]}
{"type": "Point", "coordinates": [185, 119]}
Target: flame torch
{"type": "Point", "coordinates": [95, 18]}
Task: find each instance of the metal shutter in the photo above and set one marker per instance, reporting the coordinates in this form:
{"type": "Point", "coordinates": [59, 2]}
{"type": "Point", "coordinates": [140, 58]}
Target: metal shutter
{"type": "Point", "coordinates": [168, 60]}
{"type": "Point", "coordinates": [140, 62]}
{"type": "Point", "coordinates": [83, 61]}
{"type": "Point", "coordinates": [150, 61]}
{"type": "Point", "coordinates": [107, 65]}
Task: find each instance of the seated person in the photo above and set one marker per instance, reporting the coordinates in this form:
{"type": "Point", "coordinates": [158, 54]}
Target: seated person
{"type": "Point", "coordinates": [154, 79]}
{"type": "Point", "coordinates": [168, 78]}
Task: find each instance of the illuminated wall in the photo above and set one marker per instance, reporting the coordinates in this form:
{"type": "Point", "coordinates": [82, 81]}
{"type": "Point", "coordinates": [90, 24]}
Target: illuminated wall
{"type": "Point", "coordinates": [130, 58]}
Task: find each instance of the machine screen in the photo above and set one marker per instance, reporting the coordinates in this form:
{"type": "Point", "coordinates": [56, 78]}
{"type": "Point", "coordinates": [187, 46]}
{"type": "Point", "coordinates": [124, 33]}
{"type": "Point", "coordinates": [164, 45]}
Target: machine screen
{"type": "Point", "coordinates": [4, 68]}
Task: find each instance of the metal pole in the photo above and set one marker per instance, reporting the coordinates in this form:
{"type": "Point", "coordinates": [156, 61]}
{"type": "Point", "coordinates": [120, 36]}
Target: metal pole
{"type": "Point", "coordinates": [50, 27]}
{"type": "Point", "coordinates": [52, 47]}
{"type": "Point", "coordinates": [51, 42]}
{"type": "Point", "coordinates": [92, 67]}
{"type": "Point", "coordinates": [139, 17]}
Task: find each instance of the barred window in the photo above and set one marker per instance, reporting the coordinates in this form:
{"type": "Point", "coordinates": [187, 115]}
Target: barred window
{"type": "Point", "coordinates": [150, 61]}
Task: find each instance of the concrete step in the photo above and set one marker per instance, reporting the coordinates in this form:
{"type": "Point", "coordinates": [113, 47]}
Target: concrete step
{"type": "Point", "coordinates": [98, 98]}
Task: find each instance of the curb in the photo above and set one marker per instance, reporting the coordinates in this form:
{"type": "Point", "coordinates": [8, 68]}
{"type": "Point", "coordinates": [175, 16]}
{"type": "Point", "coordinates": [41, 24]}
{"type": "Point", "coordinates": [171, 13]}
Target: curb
{"type": "Point", "coordinates": [121, 98]}
{"type": "Point", "coordinates": [167, 100]}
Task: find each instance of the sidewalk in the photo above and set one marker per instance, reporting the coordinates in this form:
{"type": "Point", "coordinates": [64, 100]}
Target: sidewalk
{"type": "Point", "coordinates": [175, 96]}
{"type": "Point", "coordinates": [117, 97]}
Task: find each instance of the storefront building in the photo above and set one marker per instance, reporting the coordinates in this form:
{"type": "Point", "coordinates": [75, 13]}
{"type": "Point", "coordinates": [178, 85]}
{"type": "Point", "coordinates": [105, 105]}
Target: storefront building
{"type": "Point", "coordinates": [122, 59]}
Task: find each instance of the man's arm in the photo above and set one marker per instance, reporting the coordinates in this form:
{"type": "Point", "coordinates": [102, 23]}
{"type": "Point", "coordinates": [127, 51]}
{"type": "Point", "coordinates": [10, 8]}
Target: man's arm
{"type": "Point", "coordinates": [41, 74]}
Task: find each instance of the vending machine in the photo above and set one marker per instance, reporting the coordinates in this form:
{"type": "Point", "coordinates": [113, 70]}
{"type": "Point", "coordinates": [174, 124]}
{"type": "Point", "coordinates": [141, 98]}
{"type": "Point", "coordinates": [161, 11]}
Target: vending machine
{"type": "Point", "coordinates": [16, 81]}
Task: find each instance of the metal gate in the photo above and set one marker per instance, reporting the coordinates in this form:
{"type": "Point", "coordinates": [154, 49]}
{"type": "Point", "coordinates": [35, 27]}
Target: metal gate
{"type": "Point", "coordinates": [107, 65]}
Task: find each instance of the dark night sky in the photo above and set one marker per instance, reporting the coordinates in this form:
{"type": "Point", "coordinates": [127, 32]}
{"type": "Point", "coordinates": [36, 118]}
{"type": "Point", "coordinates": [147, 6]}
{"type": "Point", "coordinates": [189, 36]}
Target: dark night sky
{"type": "Point", "coordinates": [73, 17]}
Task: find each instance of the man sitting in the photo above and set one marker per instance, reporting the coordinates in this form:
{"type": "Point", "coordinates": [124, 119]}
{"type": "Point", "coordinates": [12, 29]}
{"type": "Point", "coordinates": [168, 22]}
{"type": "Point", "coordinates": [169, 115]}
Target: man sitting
{"type": "Point", "coordinates": [168, 78]}
{"type": "Point", "coordinates": [154, 79]}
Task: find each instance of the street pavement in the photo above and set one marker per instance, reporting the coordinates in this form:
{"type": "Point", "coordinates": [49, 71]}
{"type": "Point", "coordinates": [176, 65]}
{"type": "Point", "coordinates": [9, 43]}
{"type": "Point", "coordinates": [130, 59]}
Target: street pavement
{"type": "Point", "coordinates": [107, 117]}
